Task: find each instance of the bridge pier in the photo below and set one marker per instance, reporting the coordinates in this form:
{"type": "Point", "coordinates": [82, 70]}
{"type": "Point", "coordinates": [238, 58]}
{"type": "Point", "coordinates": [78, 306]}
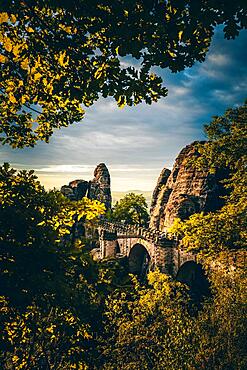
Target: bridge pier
{"type": "Point", "coordinates": [108, 243]}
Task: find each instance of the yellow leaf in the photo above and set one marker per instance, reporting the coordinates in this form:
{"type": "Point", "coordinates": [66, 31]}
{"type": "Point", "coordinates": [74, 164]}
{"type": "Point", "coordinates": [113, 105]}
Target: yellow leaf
{"type": "Point", "coordinates": [98, 73]}
{"type": "Point", "coordinates": [15, 358]}
{"type": "Point", "coordinates": [180, 35]}
{"type": "Point", "coordinates": [61, 59]}
{"type": "Point", "coordinates": [16, 50]}
{"type": "Point", "coordinates": [7, 44]}
{"type": "Point", "coordinates": [171, 54]}
{"type": "Point", "coordinates": [121, 102]}
{"type": "Point", "coordinates": [12, 18]}
{"type": "Point", "coordinates": [4, 18]}
{"type": "Point", "coordinates": [2, 58]}
{"type": "Point", "coordinates": [29, 29]}
{"type": "Point", "coordinates": [23, 99]}
{"type": "Point", "coordinates": [24, 64]}
{"type": "Point", "coordinates": [12, 98]}
{"type": "Point", "coordinates": [37, 76]}
{"type": "Point", "coordinates": [68, 29]}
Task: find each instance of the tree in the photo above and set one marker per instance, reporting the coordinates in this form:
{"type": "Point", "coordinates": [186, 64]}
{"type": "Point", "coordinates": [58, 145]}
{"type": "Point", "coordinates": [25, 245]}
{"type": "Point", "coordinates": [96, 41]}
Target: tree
{"type": "Point", "coordinates": [132, 209]}
{"type": "Point", "coordinates": [57, 57]}
{"type": "Point", "coordinates": [33, 229]}
{"type": "Point", "coordinates": [227, 147]}
{"type": "Point", "coordinates": [52, 294]}
{"type": "Point", "coordinates": [148, 327]}
{"type": "Point", "coordinates": [47, 297]}
{"type": "Point", "coordinates": [157, 327]}
{"type": "Point", "coordinates": [221, 324]}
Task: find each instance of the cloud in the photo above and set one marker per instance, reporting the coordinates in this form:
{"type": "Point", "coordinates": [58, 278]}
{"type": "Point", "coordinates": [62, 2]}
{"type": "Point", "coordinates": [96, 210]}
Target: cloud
{"type": "Point", "coordinates": [137, 142]}
{"type": "Point", "coordinates": [219, 59]}
{"type": "Point", "coordinates": [65, 169]}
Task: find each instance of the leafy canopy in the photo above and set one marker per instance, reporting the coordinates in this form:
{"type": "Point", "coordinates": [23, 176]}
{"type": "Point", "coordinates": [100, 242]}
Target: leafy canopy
{"type": "Point", "coordinates": [157, 327]}
{"type": "Point", "coordinates": [35, 240]}
{"type": "Point", "coordinates": [58, 57]}
{"type": "Point", "coordinates": [49, 297]}
{"type": "Point", "coordinates": [132, 209]}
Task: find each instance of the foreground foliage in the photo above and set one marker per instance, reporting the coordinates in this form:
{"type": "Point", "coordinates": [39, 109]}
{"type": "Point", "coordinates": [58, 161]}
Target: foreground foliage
{"type": "Point", "coordinates": [157, 327]}
{"type": "Point", "coordinates": [45, 278]}
{"type": "Point", "coordinates": [61, 310]}
{"type": "Point", "coordinates": [58, 57]}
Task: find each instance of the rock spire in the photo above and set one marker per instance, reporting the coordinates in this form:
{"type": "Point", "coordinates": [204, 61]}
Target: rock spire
{"type": "Point", "coordinates": [185, 190]}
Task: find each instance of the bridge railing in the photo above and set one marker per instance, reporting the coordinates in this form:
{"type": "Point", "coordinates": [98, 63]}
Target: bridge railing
{"type": "Point", "coordinates": [134, 231]}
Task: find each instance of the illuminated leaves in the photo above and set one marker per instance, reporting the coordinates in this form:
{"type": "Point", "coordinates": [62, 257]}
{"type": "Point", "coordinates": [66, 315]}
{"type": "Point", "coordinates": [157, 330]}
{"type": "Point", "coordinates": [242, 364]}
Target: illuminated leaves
{"type": "Point", "coordinates": [149, 325]}
{"type": "Point", "coordinates": [25, 63]}
{"type": "Point", "coordinates": [3, 59]}
{"type": "Point", "coordinates": [4, 18]}
{"type": "Point", "coordinates": [59, 220]}
{"type": "Point", "coordinates": [7, 44]}
{"type": "Point", "coordinates": [67, 58]}
{"type": "Point", "coordinates": [41, 333]}
{"type": "Point", "coordinates": [73, 212]}
{"type": "Point", "coordinates": [43, 275]}
{"type": "Point", "coordinates": [121, 101]}
{"type": "Point", "coordinates": [63, 60]}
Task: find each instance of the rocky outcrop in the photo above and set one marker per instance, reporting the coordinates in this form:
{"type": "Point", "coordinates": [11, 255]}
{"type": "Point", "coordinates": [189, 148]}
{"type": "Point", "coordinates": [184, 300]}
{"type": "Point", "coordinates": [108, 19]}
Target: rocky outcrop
{"type": "Point", "coordinates": [187, 190]}
{"type": "Point", "coordinates": [99, 188]}
{"type": "Point", "coordinates": [162, 180]}
{"type": "Point", "coordinates": [76, 190]}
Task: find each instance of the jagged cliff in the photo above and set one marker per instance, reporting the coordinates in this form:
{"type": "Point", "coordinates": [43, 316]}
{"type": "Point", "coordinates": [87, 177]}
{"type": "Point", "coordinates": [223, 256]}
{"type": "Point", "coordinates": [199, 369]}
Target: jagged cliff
{"type": "Point", "coordinates": [185, 190]}
{"type": "Point", "coordinates": [99, 188]}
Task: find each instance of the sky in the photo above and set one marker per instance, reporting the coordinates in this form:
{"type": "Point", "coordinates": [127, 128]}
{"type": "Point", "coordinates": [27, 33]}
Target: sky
{"type": "Point", "coordinates": [137, 142]}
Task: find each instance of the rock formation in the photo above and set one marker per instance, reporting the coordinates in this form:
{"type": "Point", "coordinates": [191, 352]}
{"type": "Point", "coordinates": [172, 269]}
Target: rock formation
{"type": "Point", "coordinates": [186, 190]}
{"type": "Point", "coordinates": [162, 180]}
{"type": "Point", "coordinates": [76, 190]}
{"type": "Point", "coordinates": [99, 188]}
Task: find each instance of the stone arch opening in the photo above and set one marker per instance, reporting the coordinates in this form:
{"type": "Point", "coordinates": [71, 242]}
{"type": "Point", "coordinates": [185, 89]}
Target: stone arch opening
{"type": "Point", "coordinates": [193, 275]}
{"type": "Point", "coordinates": [117, 248]}
{"type": "Point", "coordinates": [139, 260]}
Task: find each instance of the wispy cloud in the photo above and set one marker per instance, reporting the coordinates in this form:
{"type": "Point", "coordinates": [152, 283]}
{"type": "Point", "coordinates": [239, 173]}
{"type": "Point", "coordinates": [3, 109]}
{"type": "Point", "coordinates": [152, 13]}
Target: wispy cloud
{"type": "Point", "coordinates": [137, 142]}
{"type": "Point", "coordinates": [218, 59]}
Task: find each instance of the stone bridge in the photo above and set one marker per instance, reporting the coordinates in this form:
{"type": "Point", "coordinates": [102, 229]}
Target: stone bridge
{"type": "Point", "coordinates": [146, 249]}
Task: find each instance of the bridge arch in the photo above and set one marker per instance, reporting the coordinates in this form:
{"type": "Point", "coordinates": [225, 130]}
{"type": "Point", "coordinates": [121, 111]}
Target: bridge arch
{"type": "Point", "coordinates": [117, 248]}
{"type": "Point", "coordinates": [139, 260]}
{"type": "Point", "coordinates": [193, 275]}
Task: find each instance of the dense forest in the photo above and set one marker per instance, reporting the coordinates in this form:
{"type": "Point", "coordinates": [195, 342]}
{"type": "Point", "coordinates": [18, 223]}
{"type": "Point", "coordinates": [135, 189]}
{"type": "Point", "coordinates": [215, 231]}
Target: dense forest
{"type": "Point", "coordinates": [60, 309]}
